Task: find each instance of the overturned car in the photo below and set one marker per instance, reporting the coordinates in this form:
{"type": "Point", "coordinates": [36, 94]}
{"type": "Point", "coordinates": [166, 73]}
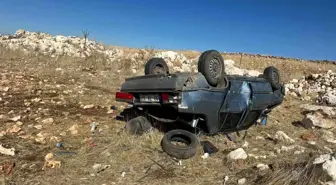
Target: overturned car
{"type": "Point", "coordinates": [209, 101]}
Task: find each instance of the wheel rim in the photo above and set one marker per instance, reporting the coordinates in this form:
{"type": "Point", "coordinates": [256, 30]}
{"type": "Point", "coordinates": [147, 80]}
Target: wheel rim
{"type": "Point", "coordinates": [158, 69]}
{"type": "Point", "coordinates": [215, 67]}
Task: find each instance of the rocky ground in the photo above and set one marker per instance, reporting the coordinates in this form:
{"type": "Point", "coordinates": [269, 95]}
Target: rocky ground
{"type": "Point", "coordinates": [58, 121]}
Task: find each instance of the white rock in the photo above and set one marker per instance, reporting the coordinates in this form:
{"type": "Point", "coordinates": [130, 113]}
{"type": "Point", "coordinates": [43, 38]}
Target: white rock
{"type": "Point", "coordinates": [226, 178]}
{"type": "Point", "coordinates": [280, 135]}
{"type": "Point", "coordinates": [38, 127]}
{"type": "Point", "coordinates": [20, 32]}
{"type": "Point", "coordinates": [317, 120]}
{"type": "Point", "coordinates": [289, 86]}
{"type": "Point", "coordinates": [100, 167]}
{"type": "Point", "coordinates": [321, 159]}
{"type": "Point", "coordinates": [237, 154]}
{"type": "Point", "coordinates": [330, 167]}
{"type": "Point", "coordinates": [4, 89]}
{"type": "Point", "coordinates": [260, 138]}
{"type": "Point", "coordinates": [57, 45]}
{"type": "Point", "coordinates": [205, 155]}
{"type": "Point", "coordinates": [242, 181]}
{"type": "Point", "coordinates": [73, 129]}
{"type": "Point", "coordinates": [16, 118]}
{"type": "Point", "coordinates": [312, 142]}
{"type": "Point", "coordinates": [328, 149]}
{"type": "Point", "coordinates": [261, 166]}
{"type": "Point", "coordinates": [171, 55]}
{"type": "Point", "coordinates": [329, 111]}
{"type": "Point", "coordinates": [299, 152]}
{"type": "Point", "coordinates": [47, 121]}
{"type": "Point", "coordinates": [233, 70]}
{"type": "Point", "coordinates": [36, 100]}
{"type": "Point", "coordinates": [257, 156]}
{"type": "Point", "coordinates": [294, 81]}
{"type": "Point", "coordinates": [88, 106]}
{"type": "Point", "coordinates": [245, 145]}
{"type": "Point", "coordinates": [286, 148]}
{"type": "Point", "coordinates": [7, 151]}
{"type": "Point", "coordinates": [329, 98]}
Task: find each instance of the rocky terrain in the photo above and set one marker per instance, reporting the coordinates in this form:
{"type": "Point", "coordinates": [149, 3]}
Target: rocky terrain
{"type": "Point", "coordinates": [322, 84]}
{"type": "Point", "coordinates": [58, 121]}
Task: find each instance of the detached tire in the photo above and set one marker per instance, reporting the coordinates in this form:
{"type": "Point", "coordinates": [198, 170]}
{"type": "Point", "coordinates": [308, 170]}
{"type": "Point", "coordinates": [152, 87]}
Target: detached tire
{"type": "Point", "coordinates": [211, 65]}
{"type": "Point", "coordinates": [156, 66]}
{"type": "Point", "coordinates": [272, 74]}
{"type": "Point", "coordinates": [180, 152]}
{"type": "Point", "coordinates": [138, 125]}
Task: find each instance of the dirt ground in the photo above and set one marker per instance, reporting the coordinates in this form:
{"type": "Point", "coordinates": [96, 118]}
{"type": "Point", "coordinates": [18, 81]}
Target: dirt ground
{"type": "Point", "coordinates": [64, 89]}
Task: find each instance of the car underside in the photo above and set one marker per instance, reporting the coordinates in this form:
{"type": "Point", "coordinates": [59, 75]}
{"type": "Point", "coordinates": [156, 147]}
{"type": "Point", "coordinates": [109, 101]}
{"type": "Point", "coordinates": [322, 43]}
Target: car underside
{"type": "Point", "coordinates": [188, 99]}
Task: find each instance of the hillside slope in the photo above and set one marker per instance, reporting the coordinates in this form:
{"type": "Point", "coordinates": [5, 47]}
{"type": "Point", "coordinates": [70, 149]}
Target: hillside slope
{"type": "Point", "coordinates": [54, 87]}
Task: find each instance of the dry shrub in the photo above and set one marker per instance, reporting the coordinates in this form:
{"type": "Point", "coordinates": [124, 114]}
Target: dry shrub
{"type": "Point", "coordinates": [191, 54]}
{"type": "Point", "coordinates": [305, 173]}
{"type": "Point", "coordinates": [150, 50]}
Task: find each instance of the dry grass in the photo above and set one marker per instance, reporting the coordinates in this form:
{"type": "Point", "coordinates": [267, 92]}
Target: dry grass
{"type": "Point", "coordinates": [140, 158]}
{"type": "Point", "coordinates": [289, 68]}
{"type": "Point", "coordinates": [304, 173]}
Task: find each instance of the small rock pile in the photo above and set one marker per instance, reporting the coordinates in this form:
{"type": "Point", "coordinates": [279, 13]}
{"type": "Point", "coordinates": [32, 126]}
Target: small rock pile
{"type": "Point", "coordinates": [177, 61]}
{"type": "Point", "coordinates": [323, 84]}
{"type": "Point", "coordinates": [59, 45]}
{"type": "Point", "coordinates": [231, 69]}
{"type": "Point", "coordinates": [56, 45]}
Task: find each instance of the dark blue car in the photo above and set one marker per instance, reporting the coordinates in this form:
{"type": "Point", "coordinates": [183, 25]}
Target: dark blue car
{"type": "Point", "coordinates": [209, 100]}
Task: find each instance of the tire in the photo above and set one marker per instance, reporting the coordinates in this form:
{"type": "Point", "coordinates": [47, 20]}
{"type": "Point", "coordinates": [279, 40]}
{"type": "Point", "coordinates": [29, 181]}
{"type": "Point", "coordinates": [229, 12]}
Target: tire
{"type": "Point", "coordinates": [180, 152]}
{"type": "Point", "coordinates": [211, 65]}
{"type": "Point", "coordinates": [138, 125]}
{"type": "Point", "coordinates": [272, 74]}
{"type": "Point", "coordinates": [156, 66]}
{"type": "Point", "coordinates": [201, 58]}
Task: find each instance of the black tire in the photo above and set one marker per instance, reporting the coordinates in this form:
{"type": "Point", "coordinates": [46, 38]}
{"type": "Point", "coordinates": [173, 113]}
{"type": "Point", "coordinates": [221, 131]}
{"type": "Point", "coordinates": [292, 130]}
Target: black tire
{"type": "Point", "coordinates": [156, 66]}
{"type": "Point", "coordinates": [200, 59]}
{"type": "Point", "coordinates": [272, 74]}
{"type": "Point", "coordinates": [211, 65]}
{"type": "Point", "coordinates": [180, 152]}
{"type": "Point", "coordinates": [138, 125]}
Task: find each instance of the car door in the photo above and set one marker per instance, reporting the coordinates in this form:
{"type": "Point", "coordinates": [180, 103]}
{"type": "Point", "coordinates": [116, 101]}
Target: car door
{"type": "Point", "coordinates": [235, 105]}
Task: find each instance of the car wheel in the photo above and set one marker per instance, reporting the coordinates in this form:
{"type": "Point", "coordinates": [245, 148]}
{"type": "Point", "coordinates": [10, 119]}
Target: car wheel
{"type": "Point", "coordinates": [211, 65]}
{"type": "Point", "coordinates": [272, 74]}
{"type": "Point", "coordinates": [156, 66]}
{"type": "Point", "coordinates": [138, 125]}
{"type": "Point", "coordinates": [186, 148]}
